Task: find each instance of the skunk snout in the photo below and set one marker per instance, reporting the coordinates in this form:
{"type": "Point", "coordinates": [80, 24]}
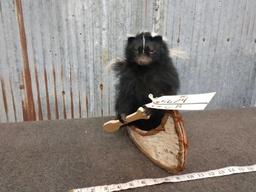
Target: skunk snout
{"type": "Point", "coordinates": [143, 60]}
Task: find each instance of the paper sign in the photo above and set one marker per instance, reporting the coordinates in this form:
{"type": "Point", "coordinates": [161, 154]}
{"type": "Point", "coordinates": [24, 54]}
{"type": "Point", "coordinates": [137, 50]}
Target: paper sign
{"type": "Point", "coordinates": [181, 102]}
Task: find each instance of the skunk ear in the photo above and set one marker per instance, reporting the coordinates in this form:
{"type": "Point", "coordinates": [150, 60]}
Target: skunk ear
{"type": "Point", "coordinates": [130, 39]}
{"type": "Point", "coordinates": [158, 38]}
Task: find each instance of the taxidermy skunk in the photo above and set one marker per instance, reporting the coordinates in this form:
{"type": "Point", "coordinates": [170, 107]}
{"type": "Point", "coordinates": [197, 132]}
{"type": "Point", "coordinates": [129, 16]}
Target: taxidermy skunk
{"type": "Point", "coordinates": [147, 68]}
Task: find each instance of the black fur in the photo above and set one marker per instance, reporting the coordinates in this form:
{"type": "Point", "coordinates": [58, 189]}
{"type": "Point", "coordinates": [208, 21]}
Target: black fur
{"type": "Point", "coordinates": [144, 71]}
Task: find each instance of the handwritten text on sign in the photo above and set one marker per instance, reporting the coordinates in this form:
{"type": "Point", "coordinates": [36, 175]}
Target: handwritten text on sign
{"type": "Point", "coordinates": [181, 102]}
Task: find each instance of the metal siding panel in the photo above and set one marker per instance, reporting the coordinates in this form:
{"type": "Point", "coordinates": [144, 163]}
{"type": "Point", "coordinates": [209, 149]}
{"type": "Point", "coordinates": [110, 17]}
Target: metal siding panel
{"type": "Point", "coordinates": [70, 45]}
{"type": "Point", "coordinates": [10, 63]}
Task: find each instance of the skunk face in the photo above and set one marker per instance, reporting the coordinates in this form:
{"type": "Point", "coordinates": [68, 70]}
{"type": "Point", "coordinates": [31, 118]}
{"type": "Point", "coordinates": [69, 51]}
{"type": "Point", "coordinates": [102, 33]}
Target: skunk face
{"type": "Point", "coordinates": [144, 49]}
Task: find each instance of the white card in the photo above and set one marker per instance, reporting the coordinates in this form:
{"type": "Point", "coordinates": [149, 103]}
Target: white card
{"type": "Point", "coordinates": [181, 102]}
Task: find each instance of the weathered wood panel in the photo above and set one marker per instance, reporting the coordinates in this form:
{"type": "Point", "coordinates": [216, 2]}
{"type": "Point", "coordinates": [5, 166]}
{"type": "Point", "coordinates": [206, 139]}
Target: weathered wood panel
{"type": "Point", "coordinates": [54, 53]}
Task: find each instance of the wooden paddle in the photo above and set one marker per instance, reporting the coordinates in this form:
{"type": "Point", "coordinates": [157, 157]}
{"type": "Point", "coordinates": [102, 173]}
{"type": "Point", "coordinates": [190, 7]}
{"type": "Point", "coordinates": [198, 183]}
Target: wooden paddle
{"type": "Point", "coordinates": [114, 125]}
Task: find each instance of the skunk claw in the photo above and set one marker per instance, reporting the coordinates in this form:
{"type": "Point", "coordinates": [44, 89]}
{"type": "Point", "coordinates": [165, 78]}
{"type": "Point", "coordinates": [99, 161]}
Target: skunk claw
{"type": "Point", "coordinates": [147, 111]}
{"type": "Point", "coordinates": [122, 118]}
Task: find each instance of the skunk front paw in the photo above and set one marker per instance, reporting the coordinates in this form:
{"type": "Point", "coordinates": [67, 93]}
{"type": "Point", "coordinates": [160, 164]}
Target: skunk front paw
{"type": "Point", "coordinates": [122, 118]}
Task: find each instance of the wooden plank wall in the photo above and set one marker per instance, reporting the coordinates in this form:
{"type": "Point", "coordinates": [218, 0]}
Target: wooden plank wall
{"type": "Point", "coordinates": [54, 53]}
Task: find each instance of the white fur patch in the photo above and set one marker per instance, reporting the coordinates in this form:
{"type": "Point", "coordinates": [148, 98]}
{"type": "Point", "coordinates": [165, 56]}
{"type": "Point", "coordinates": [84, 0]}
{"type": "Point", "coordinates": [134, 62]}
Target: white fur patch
{"type": "Point", "coordinates": [130, 35]}
{"type": "Point", "coordinates": [112, 62]}
{"type": "Point", "coordinates": [179, 53]}
{"type": "Point", "coordinates": [153, 34]}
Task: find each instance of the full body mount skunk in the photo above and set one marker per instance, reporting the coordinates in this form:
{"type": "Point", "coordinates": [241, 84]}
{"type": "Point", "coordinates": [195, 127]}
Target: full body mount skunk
{"type": "Point", "coordinates": [147, 68]}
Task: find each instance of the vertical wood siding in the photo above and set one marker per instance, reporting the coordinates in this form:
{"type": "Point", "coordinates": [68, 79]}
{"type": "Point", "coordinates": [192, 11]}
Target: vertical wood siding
{"type": "Point", "coordinates": [54, 53]}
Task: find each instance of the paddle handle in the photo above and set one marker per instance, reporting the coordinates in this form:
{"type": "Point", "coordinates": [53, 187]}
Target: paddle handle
{"type": "Point", "coordinates": [114, 125]}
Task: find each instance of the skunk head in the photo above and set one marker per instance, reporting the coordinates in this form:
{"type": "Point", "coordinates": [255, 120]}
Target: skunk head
{"type": "Point", "coordinates": [145, 49]}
